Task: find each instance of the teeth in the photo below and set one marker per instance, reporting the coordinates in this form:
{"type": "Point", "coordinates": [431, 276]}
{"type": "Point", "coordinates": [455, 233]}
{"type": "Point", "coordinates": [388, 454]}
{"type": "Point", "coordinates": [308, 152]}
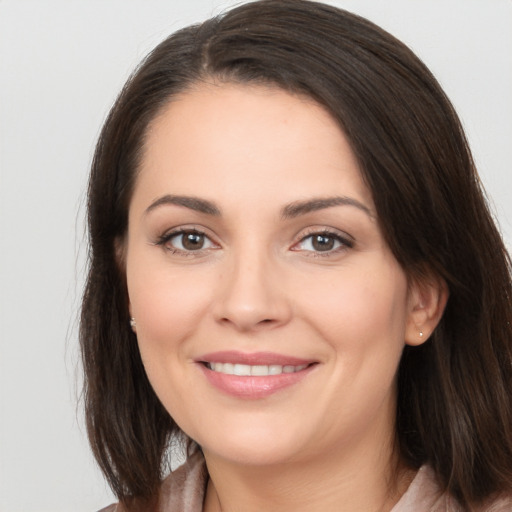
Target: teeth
{"type": "Point", "coordinates": [246, 370]}
{"type": "Point", "coordinates": [240, 369]}
{"type": "Point", "coordinates": [275, 369]}
{"type": "Point", "coordinates": [259, 370]}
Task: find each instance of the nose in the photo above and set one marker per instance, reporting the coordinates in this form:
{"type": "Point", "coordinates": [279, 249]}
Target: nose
{"type": "Point", "coordinates": [251, 297]}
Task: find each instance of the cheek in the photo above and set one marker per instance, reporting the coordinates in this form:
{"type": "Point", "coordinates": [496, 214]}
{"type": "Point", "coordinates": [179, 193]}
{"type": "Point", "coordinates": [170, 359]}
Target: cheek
{"type": "Point", "coordinates": [359, 311]}
{"type": "Point", "coordinates": [362, 319]}
{"type": "Point", "coordinates": [167, 304]}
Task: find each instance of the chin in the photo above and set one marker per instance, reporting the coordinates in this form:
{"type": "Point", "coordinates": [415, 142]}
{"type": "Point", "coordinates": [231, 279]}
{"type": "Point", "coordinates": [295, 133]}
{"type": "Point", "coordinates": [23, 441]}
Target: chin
{"type": "Point", "coordinates": [255, 455]}
{"type": "Point", "coordinates": [255, 446]}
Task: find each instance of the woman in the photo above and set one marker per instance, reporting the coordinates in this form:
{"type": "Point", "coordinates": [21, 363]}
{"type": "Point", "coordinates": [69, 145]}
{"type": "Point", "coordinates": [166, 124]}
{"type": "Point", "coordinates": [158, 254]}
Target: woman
{"type": "Point", "coordinates": [295, 274]}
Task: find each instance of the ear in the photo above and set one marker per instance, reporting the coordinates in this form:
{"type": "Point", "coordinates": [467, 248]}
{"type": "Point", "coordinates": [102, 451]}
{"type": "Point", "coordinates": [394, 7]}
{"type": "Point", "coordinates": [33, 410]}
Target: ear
{"type": "Point", "coordinates": [426, 302]}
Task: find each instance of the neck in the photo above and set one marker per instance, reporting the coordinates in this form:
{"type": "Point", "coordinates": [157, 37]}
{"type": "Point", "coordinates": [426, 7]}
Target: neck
{"type": "Point", "coordinates": [368, 479]}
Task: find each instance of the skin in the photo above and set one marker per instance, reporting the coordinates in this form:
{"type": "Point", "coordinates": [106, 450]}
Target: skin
{"type": "Point", "coordinates": [259, 284]}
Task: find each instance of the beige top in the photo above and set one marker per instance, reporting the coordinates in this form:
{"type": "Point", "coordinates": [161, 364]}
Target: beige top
{"type": "Point", "coordinates": [183, 491]}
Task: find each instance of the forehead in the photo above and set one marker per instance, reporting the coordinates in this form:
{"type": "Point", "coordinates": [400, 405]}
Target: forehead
{"type": "Point", "coordinates": [222, 138]}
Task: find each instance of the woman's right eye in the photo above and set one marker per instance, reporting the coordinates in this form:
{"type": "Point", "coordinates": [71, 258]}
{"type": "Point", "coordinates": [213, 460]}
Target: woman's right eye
{"type": "Point", "coordinates": [186, 241]}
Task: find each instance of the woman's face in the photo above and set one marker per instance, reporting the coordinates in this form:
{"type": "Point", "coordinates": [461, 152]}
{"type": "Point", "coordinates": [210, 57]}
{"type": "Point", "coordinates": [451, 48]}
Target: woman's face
{"type": "Point", "coordinates": [271, 315]}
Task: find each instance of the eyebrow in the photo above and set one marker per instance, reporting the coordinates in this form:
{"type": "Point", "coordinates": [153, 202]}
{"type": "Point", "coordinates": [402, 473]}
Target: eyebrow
{"type": "Point", "coordinates": [193, 203]}
{"type": "Point", "coordinates": [289, 211]}
{"type": "Point", "coordinates": [298, 208]}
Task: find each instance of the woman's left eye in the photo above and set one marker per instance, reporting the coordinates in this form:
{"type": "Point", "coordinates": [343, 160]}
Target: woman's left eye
{"type": "Point", "coordinates": [322, 243]}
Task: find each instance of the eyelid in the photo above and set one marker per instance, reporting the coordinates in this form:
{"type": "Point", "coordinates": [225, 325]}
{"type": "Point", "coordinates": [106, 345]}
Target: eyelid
{"type": "Point", "coordinates": [163, 239]}
{"type": "Point", "coordinates": [347, 241]}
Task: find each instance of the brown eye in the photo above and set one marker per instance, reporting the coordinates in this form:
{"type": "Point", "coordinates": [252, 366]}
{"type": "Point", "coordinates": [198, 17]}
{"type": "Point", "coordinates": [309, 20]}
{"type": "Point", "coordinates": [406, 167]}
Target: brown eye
{"type": "Point", "coordinates": [187, 241]}
{"type": "Point", "coordinates": [322, 242]}
{"type": "Point", "coordinates": [192, 241]}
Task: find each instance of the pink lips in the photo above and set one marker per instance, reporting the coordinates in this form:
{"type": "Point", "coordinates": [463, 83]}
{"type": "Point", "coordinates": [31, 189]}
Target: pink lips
{"type": "Point", "coordinates": [251, 386]}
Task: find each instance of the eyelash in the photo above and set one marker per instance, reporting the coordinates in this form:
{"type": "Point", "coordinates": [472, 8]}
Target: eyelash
{"type": "Point", "coordinates": [345, 242]}
{"type": "Point", "coordinates": [167, 237]}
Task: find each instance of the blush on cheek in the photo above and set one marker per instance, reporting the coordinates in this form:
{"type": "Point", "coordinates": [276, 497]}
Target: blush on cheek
{"type": "Point", "coordinates": [167, 308]}
{"type": "Point", "coordinates": [365, 313]}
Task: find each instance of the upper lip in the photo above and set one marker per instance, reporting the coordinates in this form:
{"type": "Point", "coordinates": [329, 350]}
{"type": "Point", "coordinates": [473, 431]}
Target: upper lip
{"type": "Point", "coordinates": [253, 359]}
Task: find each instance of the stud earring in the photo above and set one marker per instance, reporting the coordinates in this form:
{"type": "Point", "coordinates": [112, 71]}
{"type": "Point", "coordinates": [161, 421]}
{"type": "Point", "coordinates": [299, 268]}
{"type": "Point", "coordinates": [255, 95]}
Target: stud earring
{"type": "Point", "coordinates": [133, 323]}
{"type": "Point", "coordinates": [421, 334]}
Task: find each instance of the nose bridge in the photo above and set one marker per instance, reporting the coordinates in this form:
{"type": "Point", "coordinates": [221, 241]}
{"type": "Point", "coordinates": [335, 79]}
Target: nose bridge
{"type": "Point", "coordinates": [251, 293]}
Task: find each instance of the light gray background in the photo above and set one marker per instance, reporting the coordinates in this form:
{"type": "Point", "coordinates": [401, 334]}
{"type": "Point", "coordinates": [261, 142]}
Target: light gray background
{"type": "Point", "coordinates": [61, 66]}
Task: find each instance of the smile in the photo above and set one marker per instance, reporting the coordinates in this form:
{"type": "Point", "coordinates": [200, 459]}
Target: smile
{"type": "Point", "coordinates": [246, 370]}
{"type": "Point", "coordinates": [253, 376]}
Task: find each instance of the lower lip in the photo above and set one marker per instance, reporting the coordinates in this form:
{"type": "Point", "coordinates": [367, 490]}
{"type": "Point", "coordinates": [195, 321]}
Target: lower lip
{"type": "Point", "coordinates": [254, 387]}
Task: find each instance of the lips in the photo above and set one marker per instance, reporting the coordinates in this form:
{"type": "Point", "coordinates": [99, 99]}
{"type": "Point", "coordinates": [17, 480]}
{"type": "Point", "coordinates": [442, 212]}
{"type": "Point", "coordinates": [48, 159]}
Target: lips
{"type": "Point", "coordinates": [253, 376]}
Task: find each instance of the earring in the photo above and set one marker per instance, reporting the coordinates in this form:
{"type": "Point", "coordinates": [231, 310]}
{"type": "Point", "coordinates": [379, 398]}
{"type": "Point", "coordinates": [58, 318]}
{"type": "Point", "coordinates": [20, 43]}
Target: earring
{"type": "Point", "coordinates": [421, 333]}
{"type": "Point", "coordinates": [133, 323]}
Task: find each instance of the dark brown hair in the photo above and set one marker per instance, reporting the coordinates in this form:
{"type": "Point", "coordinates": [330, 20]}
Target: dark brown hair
{"type": "Point", "coordinates": [455, 391]}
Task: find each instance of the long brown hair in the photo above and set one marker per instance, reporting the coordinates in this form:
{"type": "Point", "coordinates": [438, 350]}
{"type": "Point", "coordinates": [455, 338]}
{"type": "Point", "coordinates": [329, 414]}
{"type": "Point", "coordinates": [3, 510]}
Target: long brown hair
{"type": "Point", "coordinates": [454, 391]}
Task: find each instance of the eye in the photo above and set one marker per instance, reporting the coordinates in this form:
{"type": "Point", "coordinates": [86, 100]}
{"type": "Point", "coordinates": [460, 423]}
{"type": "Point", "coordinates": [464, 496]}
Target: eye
{"type": "Point", "coordinates": [323, 242]}
{"type": "Point", "coordinates": [189, 240]}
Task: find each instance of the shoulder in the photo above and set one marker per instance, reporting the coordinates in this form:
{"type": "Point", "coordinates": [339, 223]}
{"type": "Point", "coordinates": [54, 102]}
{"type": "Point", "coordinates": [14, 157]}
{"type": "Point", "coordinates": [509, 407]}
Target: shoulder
{"type": "Point", "coordinates": [182, 491]}
{"type": "Point", "coordinates": [111, 508]}
{"type": "Point", "coordinates": [501, 503]}
{"type": "Point", "coordinates": [425, 495]}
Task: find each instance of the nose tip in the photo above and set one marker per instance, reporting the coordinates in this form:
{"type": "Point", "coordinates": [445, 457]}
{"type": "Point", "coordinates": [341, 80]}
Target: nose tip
{"type": "Point", "coordinates": [252, 299]}
{"type": "Point", "coordinates": [247, 320]}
